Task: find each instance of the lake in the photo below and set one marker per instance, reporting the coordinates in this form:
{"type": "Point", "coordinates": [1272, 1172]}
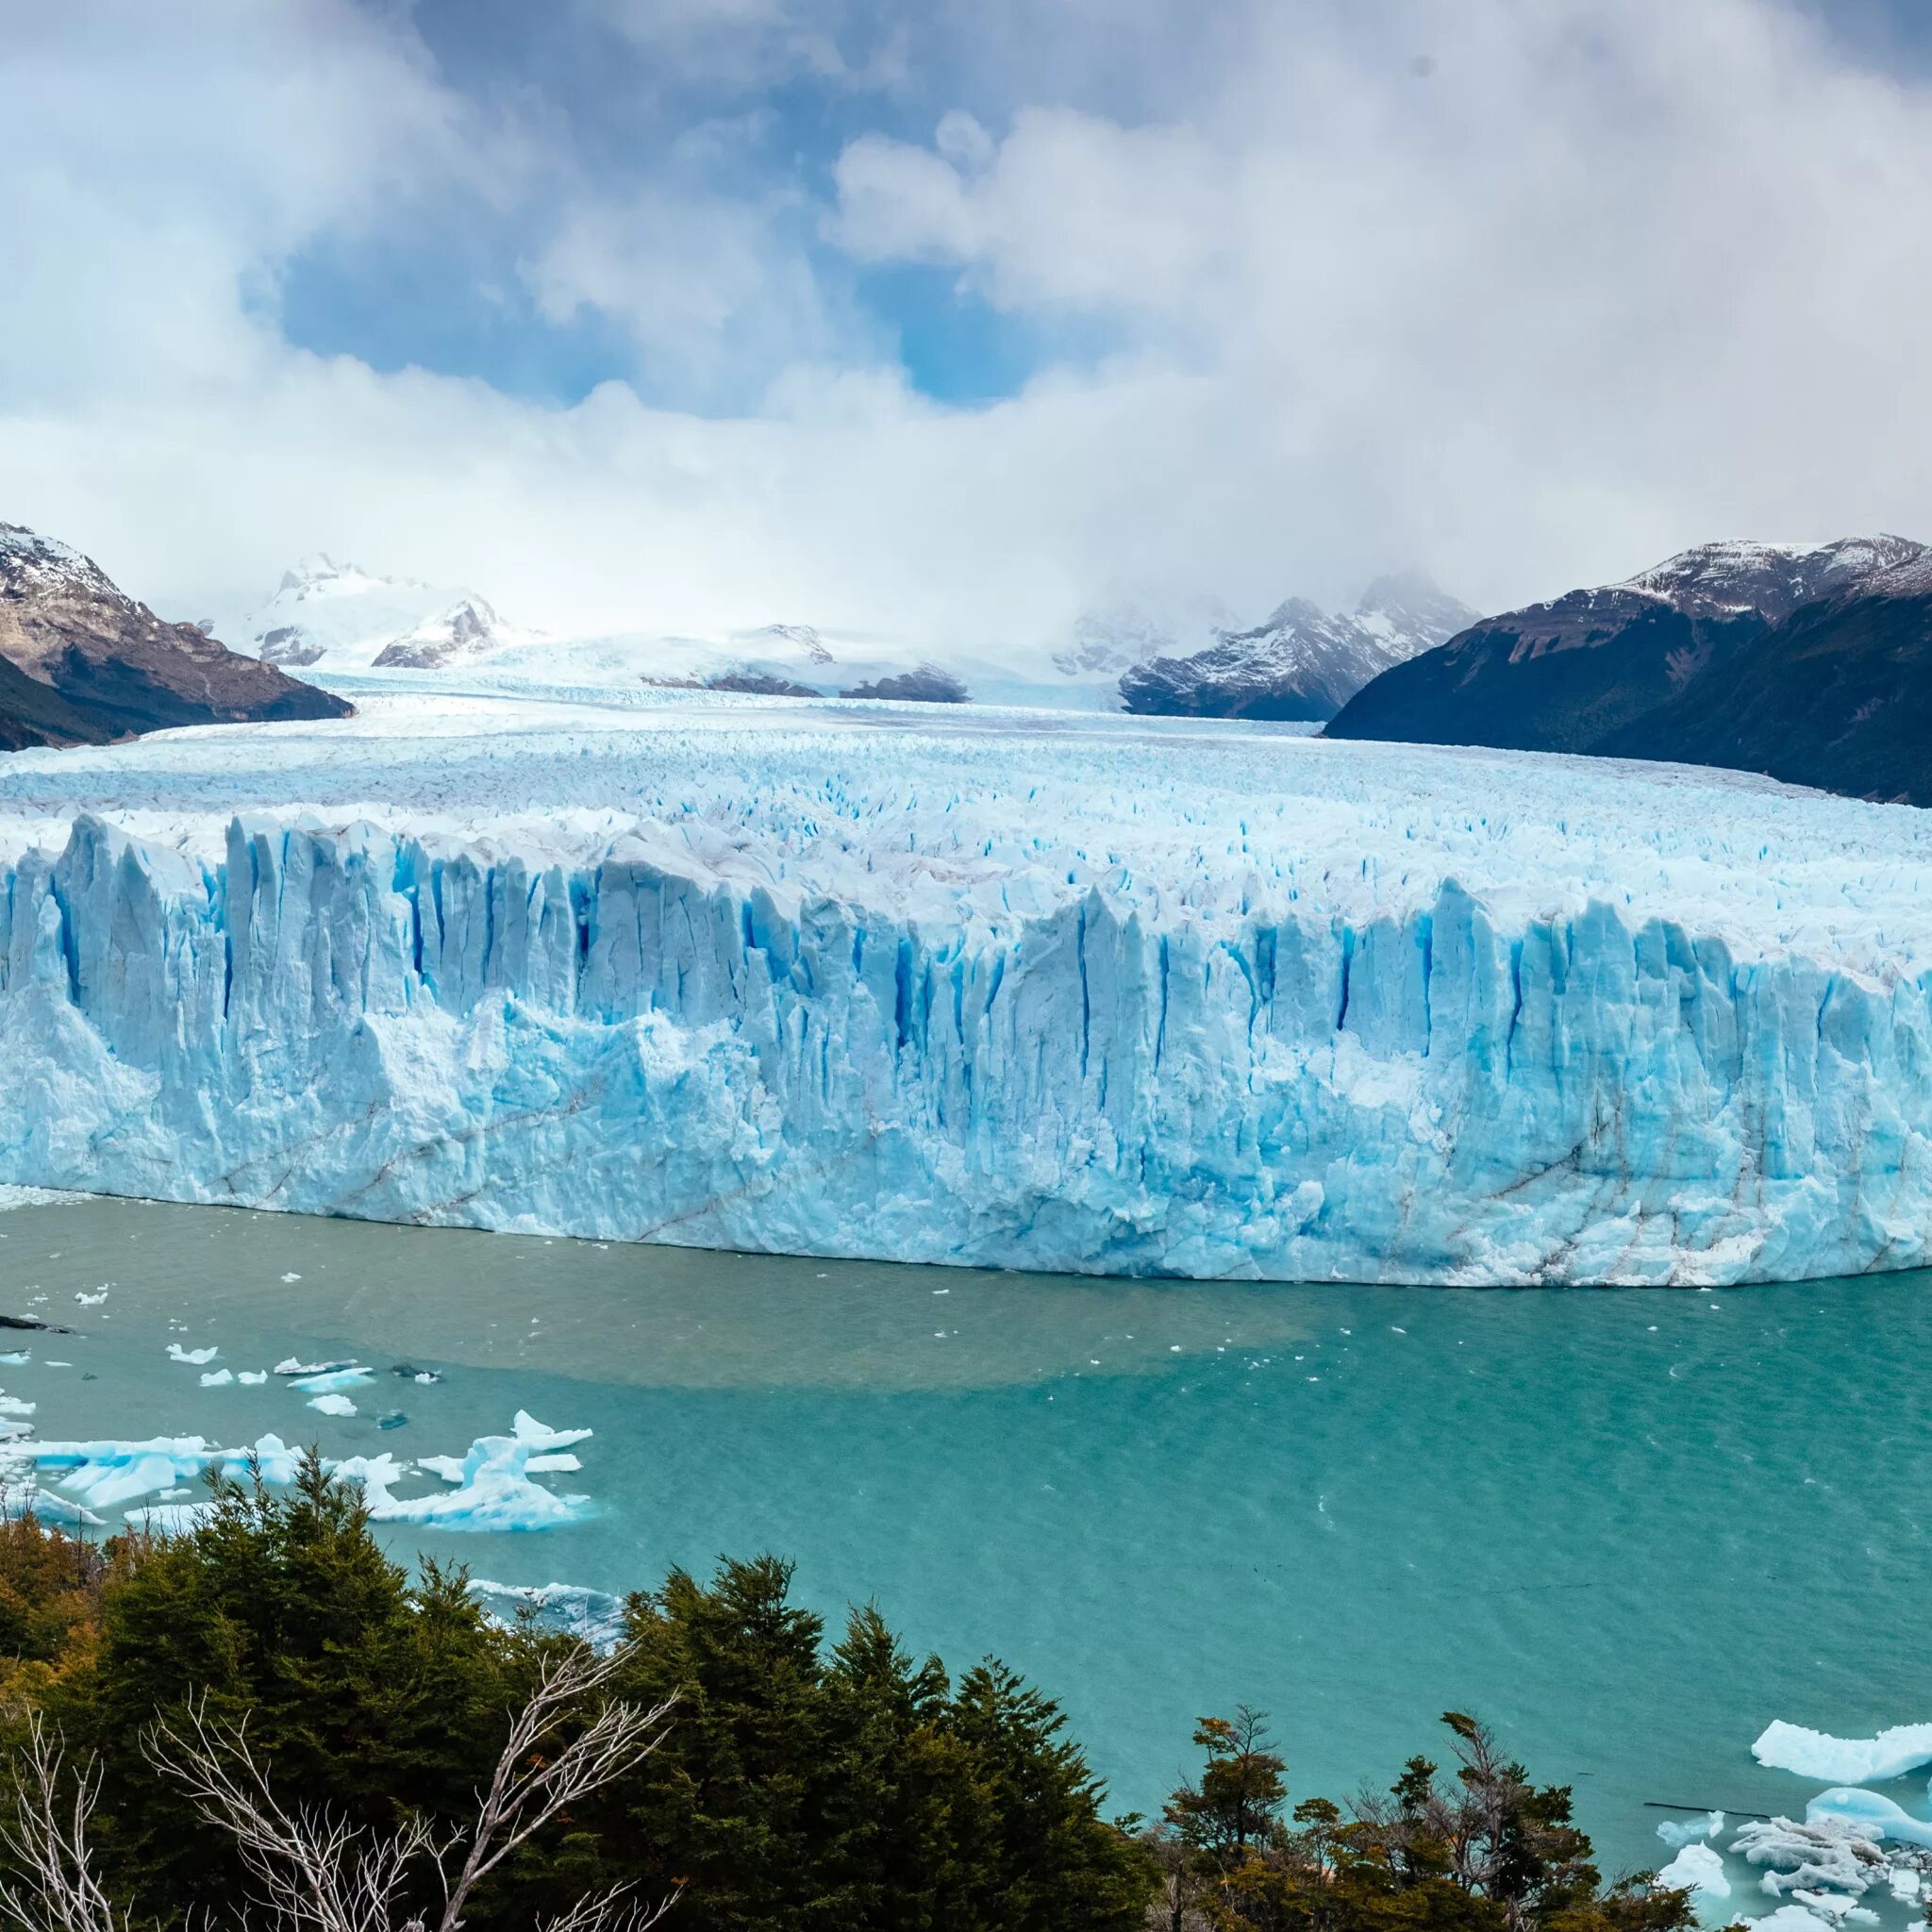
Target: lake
{"type": "Point", "coordinates": [1628, 1527]}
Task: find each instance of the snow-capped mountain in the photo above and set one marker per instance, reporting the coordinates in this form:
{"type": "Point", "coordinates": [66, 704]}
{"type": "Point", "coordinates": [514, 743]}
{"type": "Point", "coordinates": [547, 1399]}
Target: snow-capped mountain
{"type": "Point", "coordinates": [1301, 662]}
{"type": "Point", "coordinates": [341, 618]}
{"type": "Point", "coordinates": [1802, 659]}
{"type": "Point", "coordinates": [100, 665]}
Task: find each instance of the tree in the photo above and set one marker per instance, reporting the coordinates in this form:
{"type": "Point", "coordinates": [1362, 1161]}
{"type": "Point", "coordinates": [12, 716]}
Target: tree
{"type": "Point", "coordinates": [309, 1868]}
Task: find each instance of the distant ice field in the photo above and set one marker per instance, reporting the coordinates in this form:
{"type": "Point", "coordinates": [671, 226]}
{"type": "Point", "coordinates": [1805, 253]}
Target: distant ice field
{"type": "Point", "coordinates": [980, 812]}
{"type": "Point", "coordinates": [1089, 993]}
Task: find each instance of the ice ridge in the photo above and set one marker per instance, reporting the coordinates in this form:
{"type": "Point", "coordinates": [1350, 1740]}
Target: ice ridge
{"type": "Point", "coordinates": [354, 1020]}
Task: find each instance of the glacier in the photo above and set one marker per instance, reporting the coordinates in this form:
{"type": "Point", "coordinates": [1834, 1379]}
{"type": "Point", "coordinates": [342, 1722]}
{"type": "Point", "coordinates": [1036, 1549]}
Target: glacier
{"type": "Point", "coordinates": [1096, 995]}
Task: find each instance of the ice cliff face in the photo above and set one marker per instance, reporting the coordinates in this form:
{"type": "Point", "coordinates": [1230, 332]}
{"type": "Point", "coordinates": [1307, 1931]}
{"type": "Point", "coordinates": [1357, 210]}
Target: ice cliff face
{"type": "Point", "coordinates": [1281, 1062]}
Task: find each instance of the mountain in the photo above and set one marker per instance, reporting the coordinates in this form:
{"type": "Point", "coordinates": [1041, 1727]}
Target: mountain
{"type": "Point", "coordinates": [1803, 661]}
{"type": "Point", "coordinates": [88, 665]}
{"type": "Point", "coordinates": [1838, 694]}
{"type": "Point", "coordinates": [1302, 662]}
{"type": "Point", "coordinates": [346, 619]}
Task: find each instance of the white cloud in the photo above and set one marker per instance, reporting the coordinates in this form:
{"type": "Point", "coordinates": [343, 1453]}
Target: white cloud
{"type": "Point", "coordinates": [1609, 276]}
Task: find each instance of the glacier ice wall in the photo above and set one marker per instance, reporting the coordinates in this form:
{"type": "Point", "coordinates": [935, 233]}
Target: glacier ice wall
{"type": "Point", "coordinates": [353, 1022]}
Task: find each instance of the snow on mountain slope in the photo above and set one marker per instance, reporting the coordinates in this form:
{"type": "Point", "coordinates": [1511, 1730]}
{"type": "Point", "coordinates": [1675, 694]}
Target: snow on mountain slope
{"type": "Point", "coordinates": [338, 617]}
{"type": "Point", "coordinates": [1300, 662]}
{"type": "Point", "coordinates": [1103, 995]}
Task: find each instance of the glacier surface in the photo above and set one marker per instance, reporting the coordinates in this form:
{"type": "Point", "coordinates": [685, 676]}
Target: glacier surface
{"type": "Point", "coordinates": [1105, 995]}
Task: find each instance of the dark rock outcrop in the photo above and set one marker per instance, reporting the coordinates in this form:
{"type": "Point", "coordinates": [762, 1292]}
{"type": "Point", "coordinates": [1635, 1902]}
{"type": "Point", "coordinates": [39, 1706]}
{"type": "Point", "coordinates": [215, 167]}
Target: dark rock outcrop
{"type": "Point", "coordinates": [104, 666]}
{"type": "Point", "coordinates": [1812, 664]}
{"type": "Point", "coordinates": [928, 685]}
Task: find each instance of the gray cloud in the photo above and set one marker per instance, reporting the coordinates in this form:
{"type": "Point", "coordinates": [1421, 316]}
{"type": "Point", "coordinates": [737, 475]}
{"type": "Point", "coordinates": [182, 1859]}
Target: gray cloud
{"type": "Point", "coordinates": [1528, 292]}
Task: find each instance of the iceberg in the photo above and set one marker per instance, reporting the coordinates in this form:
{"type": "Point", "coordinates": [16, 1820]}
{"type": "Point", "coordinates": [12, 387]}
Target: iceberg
{"type": "Point", "coordinates": [332, 1405]}
{"type": "Point", "coordinates": [1103, 997]}
{"type": "Point", "coordinates": [194, 1357]}
{"type": "Point", "coordinates": [1871, 1812]}
{"type": "Point", "coordinates": [1697, 1869]}
{"type": "Point", "coordinates": [491, 1486]}
{"type": "Point", "coordinates": [1844, 1760]}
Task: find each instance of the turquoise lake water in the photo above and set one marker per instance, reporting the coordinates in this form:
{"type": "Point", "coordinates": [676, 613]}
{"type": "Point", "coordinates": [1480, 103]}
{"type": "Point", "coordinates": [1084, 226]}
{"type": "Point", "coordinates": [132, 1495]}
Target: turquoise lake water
{"type": "Point", "coordinates": [1627, 1527]}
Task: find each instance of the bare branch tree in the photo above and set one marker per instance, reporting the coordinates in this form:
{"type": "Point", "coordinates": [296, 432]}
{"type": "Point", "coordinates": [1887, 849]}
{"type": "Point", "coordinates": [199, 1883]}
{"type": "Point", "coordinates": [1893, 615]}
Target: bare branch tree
{"type": "Point", "coordinates": [313, 1871]}
{"type": "Point", "coordinates": [56, 1889]}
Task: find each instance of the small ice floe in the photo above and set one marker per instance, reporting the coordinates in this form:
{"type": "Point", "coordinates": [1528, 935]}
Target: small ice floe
{"type": "Point", "coordinates": [332, 1405]}
{"type": "Point", "coordinates": [91, 1301]}
{"type": "Point", "coordinates": [593, 1616]}
{"type": "Point", "coordinates": [291, 1278]}
{"type": "Point", "coordinates": [491, 1486]}
{"type": "Point", "coordinates": [392, 1419]}
{"type": "Point", "coordinates": [324, 1381]}
{"type": "Point", "coordinates": [217, 1379]}
{"type": "Point", "coordinates": [17, 1357]}
{"type": "Point", "coordinates": [194, 1357]}
{"type": "Point", "coordinates": [1706, 1825]}
{"type": "Point", "coordinates": [1844, 1760]}
{"type": "Point", "coordinates": [12, 1404]}
{"type": "Point", "coordinates": [294, 1365]}
{"type": "Point", "coordinates": [1698, 1869]}
{"type": "Point", "coordinates": [254, 1378]}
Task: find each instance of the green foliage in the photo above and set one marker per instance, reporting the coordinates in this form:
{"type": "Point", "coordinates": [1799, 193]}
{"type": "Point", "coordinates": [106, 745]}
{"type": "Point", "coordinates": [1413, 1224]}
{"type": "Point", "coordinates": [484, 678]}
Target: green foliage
{"type": "Point", "coordinates": [1485, 1852]}
{"type": "Point", "coordinates": [361, 1690]}
{"type": "Point", "coordinates": [804, 1785]}
{"type": "Point", "coordinates": [860, 1789]}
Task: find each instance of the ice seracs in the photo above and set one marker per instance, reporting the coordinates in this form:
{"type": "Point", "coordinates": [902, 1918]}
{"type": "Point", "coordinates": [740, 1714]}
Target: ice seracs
{"type": "Point", "coordinates": [1110, 995]}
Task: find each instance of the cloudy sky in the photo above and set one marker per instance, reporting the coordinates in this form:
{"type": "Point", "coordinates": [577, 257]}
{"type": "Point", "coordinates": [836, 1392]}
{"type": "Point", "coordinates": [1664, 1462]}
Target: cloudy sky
{"type": "Point", "coordinates": [942, 318]}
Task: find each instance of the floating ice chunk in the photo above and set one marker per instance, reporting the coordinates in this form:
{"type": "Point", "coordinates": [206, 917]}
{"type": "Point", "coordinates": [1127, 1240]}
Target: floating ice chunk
{"type": "Point", "coordinates": [17, 1357]}
{"type": "Point", "coordinates": [1870, 1812]}
{"type": "Point", "coordinates": [12, 1404]}
{"type": "Point", "coordinates": [1827, 1851]}
{"type": "Point", "coordinates": [1827, 1904]}
{"type": "Point", "coordinates": [252, 1376]}
{"type": "Point", "coordinates": [1788, 1919]}
{"type": "Point", "coordinates": [51, 1507]}
{"type": "Point", "coordinates": [1904, 1882]}
{"type": "Point", "coordinates": [491, 1486]}
{"type": "Point", "coordinates": [291, 1278]}
{"type": "Point", "coordinates": [104, 1473]}
{"type": "Point", "coordinates": [1844, 1760]}
{"type": "Point", "coordinates": [89, 1301]}
{"type": "Point", "coordinates": [593, 1616]}
{"type": "Point", "coordinates": [1690, 1829]}
{"type": "Point", "coordinates": [217, 1379]}
{"type": "Point", "coordinates": [345, 1375]}
{"type": "Point", "coordinates": [333, 1404]}
{"type": "Point", "coordinates": [169, 1519]}
{"type": "Point", "coordinates": [194, 1357]}
{"type": "Point", "coordinates": [1698, 1869]}
{"type": "Point", "coordinates": [294, 1365]}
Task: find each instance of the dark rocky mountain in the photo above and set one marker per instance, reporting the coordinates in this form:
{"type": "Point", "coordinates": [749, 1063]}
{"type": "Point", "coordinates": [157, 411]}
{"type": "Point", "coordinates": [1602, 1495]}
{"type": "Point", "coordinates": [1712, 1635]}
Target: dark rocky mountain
{"type": "Point", "coordinates": [928, 685]}
{"type": "Point", "coordinates": [101, 666]}
{"type": "Point", "coordinates": [1837, 695]}
{"type": "Point", "coordinates": [1808, 662]}
{"type": "Point", "coordinates": [1301, 663]}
